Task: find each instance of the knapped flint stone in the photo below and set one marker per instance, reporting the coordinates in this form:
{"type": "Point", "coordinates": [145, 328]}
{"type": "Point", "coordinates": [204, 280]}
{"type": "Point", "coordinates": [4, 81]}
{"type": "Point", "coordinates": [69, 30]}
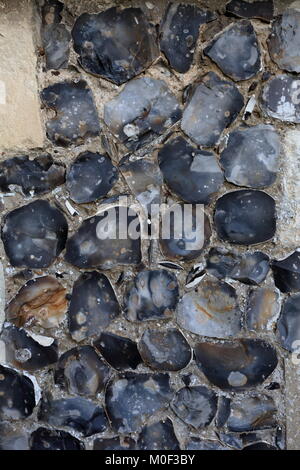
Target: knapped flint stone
{"type": "Point", "coordinates": [41, 301]}
{"type": "Point", "coordinates": [262, 9]}
{"type": "Point", "coordinates": [131, 398]}
{"type": "Point", "coordinates": [165, 350]}
{"type": "Point", "coordinates": [56, 42]}
{"type": "Point", "coordinates": [251, 413]}
{"type": "Point", "coordinates": [158, 436]}
{"type": "Point", "coordinates": [280, 98]}
{"type": "Point", "coordinates": [115, 44]}
{"type": "Point", "coordinates": [77, 413]}
{"type": "Point", "coordinates": [114, 443]}
{"type": "Point", "coordinates": [236, 365]}
{"type": "Point", "coordinates": [237, 214]}
{"type": "Point", "coordinates": [120, 352]}
{"type": "Point", "coordinates": [284, 40]}
{"type": "Point", "coordinates": [181, 162]}
{"type": "Point", "coordinates": [34, 235]}
{"type": "Point", "coordinates": [87, 249]}
{"type": "Point", "coordinates": [213, 105]}
{"type": "Point", "coordinates": [51, 11]}
{"type": "Point", "coordinates": [53, 439]}
{"type": "Point", "coordinates": [220, 262]}
{"type": "Point", "coordinates": [90, 177]}
{"type": "Point", "coordinates": [76, 115]}
{"type": "Point", "coordinates": [194, 232]}
{"type": "Point", "coordinates": [12, 439]}
{"type": "Point", "coordinates": [252, 268]}
{"type": "Point", "coordinates": [204, 444]}
{"type": "Point", "coordinates": [28, 352]}
{"type": "Point", "coordinates": [263, 308]}
{"type": "Point", "coordinates": [286, 273]}
{"type": "Point", "coordinates": [93, 305]}
{"type": "Point", "coordinates": [288, 325]}
{"type": "Point", "coordinates": [236, 51]}
{"type": "Point", "coordinates": [81, 371]}
{"type": "Point", "coordinates": [196, 406]}
{"type": "Point", "coordinates": [251, 156]}
{"type": "Point", "coordinates": [152, 295]}
{"type": "Point", "coordinates": [179, 33]}
{"type": "Point", "coordinates": [17, 395]}
{"type": "Point", "coordinates": [143, 110]}
{"type": "Point", "coordinates": [34, 177]}
{"type": "Point", "coordinates": [212, 310]}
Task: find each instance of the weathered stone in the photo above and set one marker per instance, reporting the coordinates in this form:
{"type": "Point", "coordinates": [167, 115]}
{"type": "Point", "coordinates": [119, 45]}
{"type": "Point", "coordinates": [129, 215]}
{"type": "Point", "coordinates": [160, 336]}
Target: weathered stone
{"type": "Point", "coordinates": [53, 439]}
{"type": "Point", "coordinates": [251, 413]}
{"type": "Point", "coordinates": [17, 395]}
{"type": "Point", "coordinates": [280, 98]}
{"type": "Point", "coordinates": [263, 309]}
{"type": "Point", "coordinates": [288, 325]}
{"type": "Point", "coordinates": [56, 40]}
{"type": "Point", "coordinates": [196, 406]}
{"type": "Point", "coordinates": [158, 436]}
{"type": "Point", "coordinates": [262, 9]}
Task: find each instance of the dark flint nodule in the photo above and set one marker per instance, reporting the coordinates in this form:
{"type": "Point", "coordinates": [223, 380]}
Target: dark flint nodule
{"type": "Point", "coordinates": [143, 110]}
{"type": "Point", "coordinates": [263, 308]}
{"type": "Point", "coordinates": [114, 443]}
{"type": "Point", "coordinates": [76, 116]}
{"type": "Point", "coordinates": [76, 413]}
{"type": "Point", "coordinates": [34, 235]}
{"type": "Point", "coordinates": [132, 398]}
{"type": "Point", "coordinates": [252, 268]}
{"type": "Point", "coordinates": [211, 310]}
{"type": "Point", "coordinates": [251, 413]}
{"type": "Point", "coordinates": [158, 436]}
{"type": "Point", "coordinates": [193, 238]}
{"type": "Point", "coordinates": [165, 350]}
{"type": "Point", "coordinates": [262, 9]}
{"type": "Point", "coordinates": [288, 326]}
{"type": "Point", "coordinates": [280, 98]}
{"type": "Point", "coordinates": [85, 249]}
{"type": "Point", "coordinates": [17, 395]}
{"type": "Point", "coordinates": [284, 40]}
{"type": "Point", "coordinates": [196, 406]}
{"type": "Point", "coordinates": [93, 305]}
{"type": "Point", "coordinates": [51, 11]}
{"type": "Point", "coordinates": [115, 44]}
{"type": "Point", "coordinates": [152, 295]}
{"type": "Point", "coordinates": [81, 371]}
{"type": "Point", "coordinates": [26, 352]}
{"type": "Point", "coordinates": [236, 51]}
{"type": "Point", "coordinates": [220, 262]}
{"type": "Point", "coordinates": [120, 352]}
{"type": "Point", "coordinates": [286, 273]}
{"type": "Point", "coordinates": [179, 33]}
{"type": "Point", "coordinates": [56, 42]}
{"type": "Point", "coordinates": [12, 439]}
{"type": "Point", "coordinates": [251, 156]}
{"type": "Point", "coordinates": [180, 163]}
{"type": "Point", "coordinates": [236, 365]}
{"type": "Point", "coordinates": [90, 177]}
{"type": "Point", "coordinates": [245, 217]}
{"type": "Point", "coordinates": [53, 439]}
{"type": "Point", "coordinates": [212, 106]}
{"type": "Point", "coordinates": [34, 177]}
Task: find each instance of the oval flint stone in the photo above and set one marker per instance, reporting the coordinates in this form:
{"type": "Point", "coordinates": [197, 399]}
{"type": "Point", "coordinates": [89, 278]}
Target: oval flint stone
{"type": "Point", "coordinates": [93, 305]}
{"type": "Point", "coordinates": [179, 33]}
{"type": "Point", "coordinates": [284, 40]}
{"type": "Point", "coordinates": [236, 365]}
{"type": "Point", "coordinates": [98, 243]}
{"type": "Point", "coordinates": [212, 106]}
{"type": "Point", "coordinates": [158, 436]}
{"type": "Point", "coordinates": [251, 156]}
{"type": "Point", "coordinates": [288, 326]}
{"type": "Point", "coordinates": [34, 235]}
{"type": "Point", "coordinates": [76, 115]}
{"type": "Point", "coordinates": [262, 9]}
{"type": "Point", "coordinates": [181, 162]}
{"type": "Point", "coordinates": [120, 352]}
{"type": "Point", "coordinates": [143, 110]}
{"type": "Point", "coordinates": [53, 439]}
{"type": "Point", "coordinates": [152, 295]}
{"type": "Point", "coordinates": [116, 44]}
{"type": "Point", "coordinates": [280, 98]}
{"type": "Point", "coordinates": [263, 308]}
{"type": "Point", "coordinates": [251, 413]}
{"type": "Point", "coordinates": [196, 406]}
{"type": "Point", "coordinates": [17, 395]}
{"type": "Point", "coordinates": [165, 350]}
{"type": "Point", "coordinates": [286, 273]}
{"type": "Point", "coordinates": [90, 177]}
{"type": "Point", "coordinates": [236, 51]}
{"type": "Point", "coordinates": [212, 310]}
{"type": "Point", "coordinates": [81, 371]}
{"type": "Point", "coordinates": [132, 398]}
{"type": "Point", "coordinates": [237, 214]}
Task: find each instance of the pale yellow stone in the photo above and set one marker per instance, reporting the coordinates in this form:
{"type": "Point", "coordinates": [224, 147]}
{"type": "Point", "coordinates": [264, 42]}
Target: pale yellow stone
{"type": "Point", "coordinates": [20, 120]}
